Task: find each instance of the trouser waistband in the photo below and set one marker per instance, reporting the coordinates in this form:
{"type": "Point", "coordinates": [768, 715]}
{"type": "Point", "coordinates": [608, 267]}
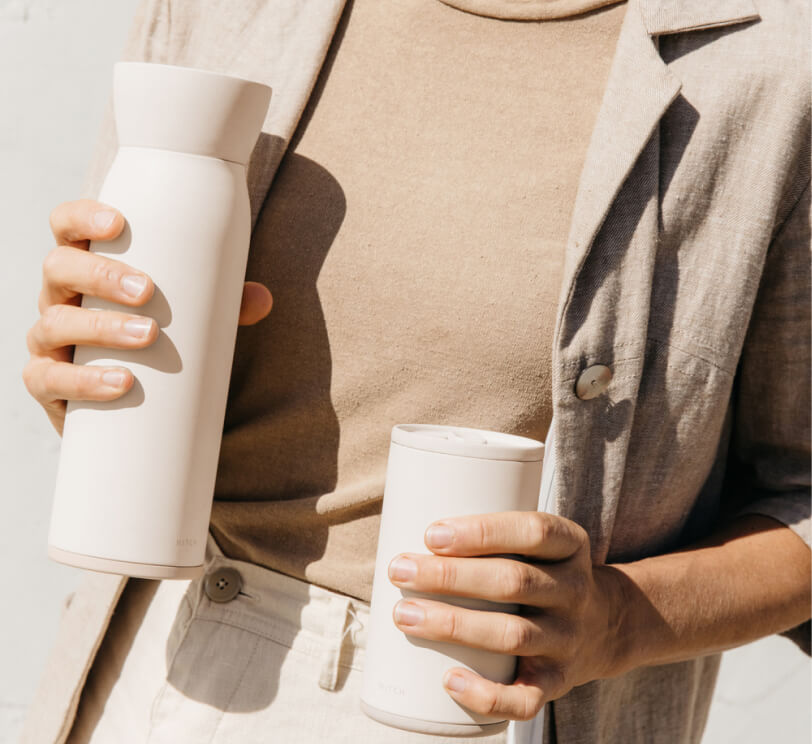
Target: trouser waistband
{"type": "Point", "coordinates": [292, 612]}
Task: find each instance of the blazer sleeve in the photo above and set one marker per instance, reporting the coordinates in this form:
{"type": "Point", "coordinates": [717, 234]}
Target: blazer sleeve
{"type": "Point", "coordinates": [771, 436]}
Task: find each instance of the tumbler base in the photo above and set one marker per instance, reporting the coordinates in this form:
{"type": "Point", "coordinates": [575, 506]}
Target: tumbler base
{"type": "Point", "coordinates": [432, 727]}
{"type": "Point", "coordinates": [124, 568]}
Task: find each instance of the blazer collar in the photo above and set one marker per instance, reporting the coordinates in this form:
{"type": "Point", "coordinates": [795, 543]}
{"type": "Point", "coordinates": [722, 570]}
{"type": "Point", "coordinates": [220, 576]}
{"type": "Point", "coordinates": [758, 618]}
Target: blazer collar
{"type": "Point", "coordinates": [662, 17]}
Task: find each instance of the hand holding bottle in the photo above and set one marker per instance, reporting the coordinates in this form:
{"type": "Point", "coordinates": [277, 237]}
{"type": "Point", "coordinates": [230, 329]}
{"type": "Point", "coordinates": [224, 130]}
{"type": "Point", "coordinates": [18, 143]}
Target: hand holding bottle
{"type": "Point", "coordinates": [69, 271]}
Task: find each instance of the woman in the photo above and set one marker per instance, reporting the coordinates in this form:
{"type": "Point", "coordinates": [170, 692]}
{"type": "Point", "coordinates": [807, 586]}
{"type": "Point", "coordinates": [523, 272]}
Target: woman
{"type": "Point", "coordinates": [435, 255]}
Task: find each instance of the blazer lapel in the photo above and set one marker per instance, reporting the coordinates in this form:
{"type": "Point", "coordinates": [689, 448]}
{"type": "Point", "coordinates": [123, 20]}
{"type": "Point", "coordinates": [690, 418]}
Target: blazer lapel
{"type": "Point", "coordinates": [639, 90]}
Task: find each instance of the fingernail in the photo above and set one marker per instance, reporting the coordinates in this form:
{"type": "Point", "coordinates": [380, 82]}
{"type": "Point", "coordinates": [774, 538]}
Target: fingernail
{"type": "Point", "coordinates": [455, 682]}
{"type": "Point", "coordinates": [407, 613]}
{"type": "Point", "coordinates": [138, 327]}
{"type": "Point", "coordinates": [439, 536]}
{"type": "Point", "coordinates": [133, 285]}
{"type": "Point", "coordinates": [104, 218]}
{"type": "Point", "coordinates": [114, 378]}
{"type": "Point", "coordinates": [402, 569]}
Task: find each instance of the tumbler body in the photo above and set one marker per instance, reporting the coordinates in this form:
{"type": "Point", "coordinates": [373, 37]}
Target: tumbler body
{"type": "Point", "coordinates": [136, 475]}
{"type": "Point", "coordinates": [437, 472]}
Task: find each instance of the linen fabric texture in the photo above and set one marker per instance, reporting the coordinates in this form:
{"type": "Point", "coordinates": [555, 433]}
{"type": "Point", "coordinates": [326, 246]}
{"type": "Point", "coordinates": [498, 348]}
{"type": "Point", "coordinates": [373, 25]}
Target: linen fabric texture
{"type": "Point", "coordinates": [686, 272]}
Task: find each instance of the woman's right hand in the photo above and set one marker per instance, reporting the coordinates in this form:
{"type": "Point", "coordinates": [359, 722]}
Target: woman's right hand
{"type": "Point", "coordinates": [69, 271]}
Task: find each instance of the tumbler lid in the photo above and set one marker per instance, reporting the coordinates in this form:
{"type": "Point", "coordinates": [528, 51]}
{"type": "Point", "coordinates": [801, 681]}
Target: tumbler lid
{"type": "Point", "coordinates": [459, 440]}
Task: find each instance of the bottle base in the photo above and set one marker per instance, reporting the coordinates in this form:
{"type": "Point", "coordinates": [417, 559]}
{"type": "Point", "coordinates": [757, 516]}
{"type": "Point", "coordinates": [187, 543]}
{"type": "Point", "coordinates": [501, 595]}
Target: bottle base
{"type": "Point", "coordinates": [124, 568]}
{"type": "Point", "coordinates": [432, 727]}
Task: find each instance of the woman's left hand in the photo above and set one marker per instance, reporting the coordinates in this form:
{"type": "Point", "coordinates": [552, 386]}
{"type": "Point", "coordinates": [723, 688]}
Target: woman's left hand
{"type": "Point", "coordinates": [565, 634]}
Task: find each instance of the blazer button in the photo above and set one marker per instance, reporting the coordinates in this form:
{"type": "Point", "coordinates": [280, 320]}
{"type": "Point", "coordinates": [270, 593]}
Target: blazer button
{"type": "Point", "coordinates": [593, 381]}
{"type": "Point", "coordinates": [223, 584]}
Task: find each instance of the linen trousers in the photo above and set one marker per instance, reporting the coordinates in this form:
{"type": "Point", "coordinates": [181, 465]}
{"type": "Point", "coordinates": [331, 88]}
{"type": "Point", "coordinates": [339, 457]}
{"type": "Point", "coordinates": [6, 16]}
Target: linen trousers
{"type": "Point", "coordinates": [279, 661]}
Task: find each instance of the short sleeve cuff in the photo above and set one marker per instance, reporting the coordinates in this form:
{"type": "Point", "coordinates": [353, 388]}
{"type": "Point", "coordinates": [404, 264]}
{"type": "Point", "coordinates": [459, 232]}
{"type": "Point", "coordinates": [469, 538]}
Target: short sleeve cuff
{"type": "Point", "coordinates": [792, 508]}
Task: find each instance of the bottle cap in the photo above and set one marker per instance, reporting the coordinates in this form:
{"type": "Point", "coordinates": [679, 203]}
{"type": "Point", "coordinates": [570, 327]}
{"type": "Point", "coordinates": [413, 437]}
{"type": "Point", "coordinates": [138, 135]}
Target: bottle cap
{"type": "Point", "coordinates": [188, 110]}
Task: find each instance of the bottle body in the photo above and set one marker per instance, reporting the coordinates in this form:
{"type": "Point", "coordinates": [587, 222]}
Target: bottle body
{"type": "Point", "coordinates": [136, 475]}
{"type": "Point", "coordinates": [402, 684]}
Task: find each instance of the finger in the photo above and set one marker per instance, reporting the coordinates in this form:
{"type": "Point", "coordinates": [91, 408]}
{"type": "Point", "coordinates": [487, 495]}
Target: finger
{"type": "Point", "coordinates": [73, 222]}
{"type": "Point", "coordinates": [500, 632]}
{"type": "Point", "coordinates": [535, 534]}
{"type": "Point", "coordinates": [495, 579]}
{"type": "Point", "coordinates": [516, 702]}
{"type": "Point", "coordinates": [50, 382]}
{"type": "Point", "coordinates": [256, 303]}
{"type": "Point", "coordinates": [69, 272]}
{"type": "Point", "coordinates": [67, 325]}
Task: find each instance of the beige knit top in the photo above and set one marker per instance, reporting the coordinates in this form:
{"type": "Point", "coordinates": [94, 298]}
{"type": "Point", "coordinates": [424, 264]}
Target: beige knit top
{"type": "Point", "coordinates": [413, 240]}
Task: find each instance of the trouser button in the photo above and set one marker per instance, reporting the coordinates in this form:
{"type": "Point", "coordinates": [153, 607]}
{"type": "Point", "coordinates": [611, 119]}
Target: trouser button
{"type": "Point", "coordinates": [222, 584]}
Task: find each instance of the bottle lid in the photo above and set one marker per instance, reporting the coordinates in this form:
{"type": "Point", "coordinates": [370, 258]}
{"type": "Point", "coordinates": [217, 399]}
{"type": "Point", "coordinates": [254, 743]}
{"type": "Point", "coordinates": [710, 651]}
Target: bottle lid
{"type": "Point", "coordinates": [188, 110]}
{"type": "Point", "coordinates": [459, 440]}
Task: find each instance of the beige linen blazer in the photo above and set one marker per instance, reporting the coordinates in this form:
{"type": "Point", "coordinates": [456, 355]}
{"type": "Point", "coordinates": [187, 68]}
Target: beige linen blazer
{"type": "Point", "coordinates": [687, 275]}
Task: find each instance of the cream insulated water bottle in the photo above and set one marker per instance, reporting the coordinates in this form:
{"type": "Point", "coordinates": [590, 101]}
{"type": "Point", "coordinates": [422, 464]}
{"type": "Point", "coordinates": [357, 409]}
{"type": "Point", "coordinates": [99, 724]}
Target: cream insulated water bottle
{"type": "Point", "coordinates": [136, 475]}
{"type": "Point", "coordinates": [437, 472]}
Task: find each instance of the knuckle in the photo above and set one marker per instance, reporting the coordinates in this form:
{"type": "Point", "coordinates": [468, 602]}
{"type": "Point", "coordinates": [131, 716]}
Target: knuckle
{"type": "Point", "coordinates": [31, 340]}
{"type": "Point", "coordinates": [493, 704]}
{"type": "Point", "coordinates": [517, 580]}
{"type": "Point", "coordinates": [83, 383]}
{"type": "Point", "coordinates": [51, 319]}
{"type": "Point", "coordinates": [449, 626]}
{"type": "Point", "coordinates": [55, 217]}
{"type": "Point", "coordinates": [517, 636]}
{"type": "Point", "coordinates": [538, 528]}
{"type": "Point", "coordinates": [97, 324]}
{"type": "Point", "coordinates": [578, 584]}
{"type": "Point", "coordinates": [42, 300]}
{"type": "Point", "coordinates": [487, 533]}
{"type": "Point", "coordinates": [446, 574]}
{"type": "Point", "coordinates": [531, 703]}
{"type": "Point", "coordinates": [103, 274]}
{"type": "Point", "coordinates": [68, 220]}
{"type": "Point", "coordinates": [575, 531]}
{"type": "Point", "coordinates": [29, 376]}
{"type": "Point", "coordinates": [50, 264]}
{"type": "Point", "coordinates": [50, 379]}
{"type": "Point", "coordinates": [581, 535]}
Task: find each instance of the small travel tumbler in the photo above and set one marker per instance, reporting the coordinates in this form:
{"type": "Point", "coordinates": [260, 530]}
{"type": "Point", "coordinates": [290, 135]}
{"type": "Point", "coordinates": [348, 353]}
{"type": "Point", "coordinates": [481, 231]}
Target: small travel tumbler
{"type": "Point", "coordinates": [433, 473]}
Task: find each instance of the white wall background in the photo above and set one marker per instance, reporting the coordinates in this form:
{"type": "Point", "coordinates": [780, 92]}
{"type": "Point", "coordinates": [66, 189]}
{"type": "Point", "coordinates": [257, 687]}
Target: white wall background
{"type": "Point", "coordinates": [55, 70]}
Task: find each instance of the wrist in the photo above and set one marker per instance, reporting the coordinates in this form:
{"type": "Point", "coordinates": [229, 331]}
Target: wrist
{"type": "Point", "coordinates": [627, 619]}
